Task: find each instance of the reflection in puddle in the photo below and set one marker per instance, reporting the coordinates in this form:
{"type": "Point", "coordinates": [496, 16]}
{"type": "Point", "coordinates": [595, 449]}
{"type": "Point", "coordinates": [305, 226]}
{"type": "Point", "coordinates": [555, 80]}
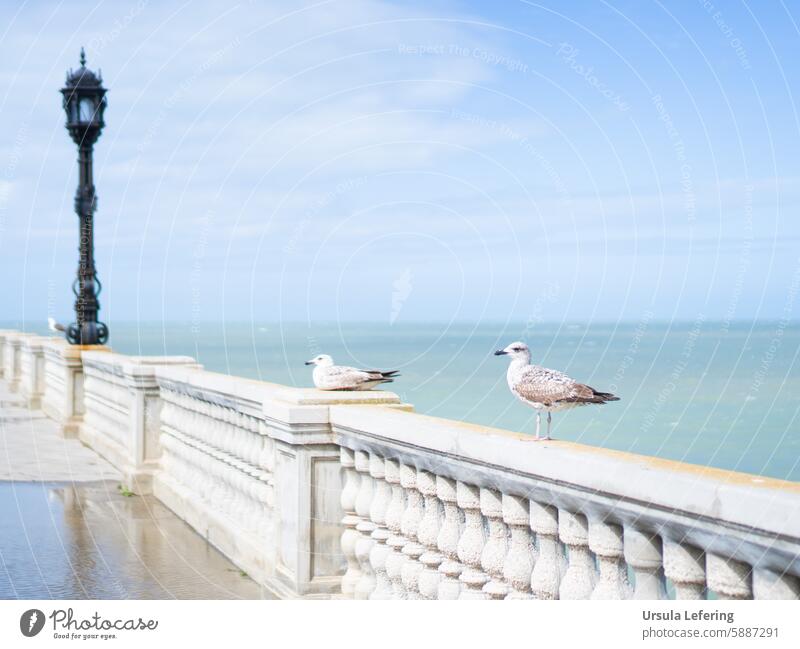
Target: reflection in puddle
{"type": "Point", "coordinates": [65, 541]}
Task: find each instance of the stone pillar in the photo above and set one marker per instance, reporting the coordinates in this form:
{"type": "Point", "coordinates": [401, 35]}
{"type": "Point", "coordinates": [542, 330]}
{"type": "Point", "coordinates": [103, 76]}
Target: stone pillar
{"type": "Point", "coordinates": [377, 513]}
{"type": "Point", "coordinates": [728, 578]}
{"type": "Point", "coordinates": [605, 540]}
{"type": "Point", "coordinates": [412, 550]}
{"type": "Point", "coordinates": [580, 578]}
{"type": "Point", "coordinates": [428, 534]}
{"type": "Point", "coordinates": [144, 425]}
{"type": "Point", "coordinates": [63, 390]}
{"type": "Point", "coordinates": [309, 560]}
{"type": "Point", "coordinates": [643, 553]}
{"type": "Point", "coordinates": [4, 333]}
{"type": "Point", "coordinates": [471, 542]}
{"type": "Point", "coordinates": [349, 522]}
{"type": "Point", "coordinates": [493, 556]}
{"type": "Point", "coordinates": [685, 566]}
{"type": "Point", "coordinates": [447, 541]}
{"type": "Point", "coordinates": [394, 520]}
{"type": "Point", "coordinates": [521, 555]}
{"type": "Point", "coordinates": [31, 362]}
{"type": "Point", "coordinates": [365, 527]}
{"type": "Point", "coordinates": [768, 584]}
{"type": "Point", "coordinates": [549, 567]}
{"type": "Point", "coordinates": [11, 360]}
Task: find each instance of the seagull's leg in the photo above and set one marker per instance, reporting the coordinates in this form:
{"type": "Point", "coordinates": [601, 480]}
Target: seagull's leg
{"type": "Point", "coordinates": [549, 419]}
{"type": "Point", "coordinates": [538, 425]}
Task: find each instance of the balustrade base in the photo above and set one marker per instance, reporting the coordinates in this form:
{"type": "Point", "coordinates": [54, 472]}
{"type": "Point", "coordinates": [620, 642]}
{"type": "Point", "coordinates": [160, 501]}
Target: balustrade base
{"type": "Point", "coordinates": [139, 480]}
{"type": "Point", "coordinates": [241, 547]}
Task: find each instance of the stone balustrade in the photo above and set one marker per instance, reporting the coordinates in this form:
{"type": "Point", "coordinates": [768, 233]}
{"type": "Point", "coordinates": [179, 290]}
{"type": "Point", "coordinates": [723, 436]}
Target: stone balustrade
{"type": "Point", "coordinates": [217, 466]}
{"type": "Point", "coordinates": [253, 467]}
{"type": "Point", "coordinates": [509, 518]}
{"type": "Point", "coordinates": [12, 358]}
{"type": "Point", "coordinates": [351, 495]}
{"type": "Point", "coordinates": [31, 369]}
{"type": "Point", "coordinates": [63, 383]}
{"type": "Point", "coordinates": [4, 333]}
{"type": "Point", "coordinates": [121, 411]}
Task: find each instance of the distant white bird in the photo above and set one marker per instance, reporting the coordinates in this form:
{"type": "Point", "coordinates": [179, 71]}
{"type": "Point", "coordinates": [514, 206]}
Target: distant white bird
{"type": "Point", "coordinates": [328, 376]}
{"type": "Point", "coordinates": [52, 325]}
{"type": "Point", "coordinates": [546, 390]}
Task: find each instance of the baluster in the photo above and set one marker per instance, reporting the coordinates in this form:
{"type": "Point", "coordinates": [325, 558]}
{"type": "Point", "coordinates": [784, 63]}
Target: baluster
{"type": "Point", "coordinates": [685, 566]}
{"type": "Point", "coordinates": [550, 565]}
{"type": "Point", "coordinates": [579, 580]}
{"type": "Point", "coordinates": [728, 578]}
{"type": "Point", "coordinates": [379, 552]}
{"type": "Point", "coordinates": [265, 528]}
{"type": "Point", "coordinates": [521, 555]}
{"type": "Point", "coordinates": [768, 584]}
{"type": "Point", "coordinates": [643, 554]}
{"type": "Point", "coordinates": [366, 583]}
{"type": "Point", "coordinates": [266, 457]}
{"type": "Point", "coordinates": [447, 541]}
{"type": "Point", "coordinates": [470, 545]}
{"type": "Point", "coordinates": [394, 517]}
{"type": "Point", "coordinates": [428, 533]}
{"type": "Point", "coordinates": [349, 522]}
{"type": "Point", "coordinates": [493, 556]}
{"type": "Point", "coordinates": [605, 540]}
{"type": "Point", "coordinates": [412, 550]}
{"type": "Point", "coordinates": [253, 504]}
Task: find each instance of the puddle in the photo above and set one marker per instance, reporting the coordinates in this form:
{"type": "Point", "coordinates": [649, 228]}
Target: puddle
{"type": "Point", "coordinates": [88, 541]}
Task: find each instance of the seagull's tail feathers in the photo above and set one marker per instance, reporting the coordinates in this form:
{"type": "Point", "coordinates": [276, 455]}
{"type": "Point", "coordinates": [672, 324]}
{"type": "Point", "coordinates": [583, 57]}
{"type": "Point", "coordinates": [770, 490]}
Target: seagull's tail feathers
{"type": "Point", "coordinates": [382, 374]}
{"type": "Point", "coordinates": [605, 396]}
{"type": "Point", "coordinates": [368, 385]}
{"type": "Point", "coordinates": [52, 325]}
{"type": "Point", "coordinates": [585, 394]}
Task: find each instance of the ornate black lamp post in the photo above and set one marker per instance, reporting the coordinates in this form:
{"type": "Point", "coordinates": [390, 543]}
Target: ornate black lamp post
{"type": "Point", "coordinates": [84, 103]}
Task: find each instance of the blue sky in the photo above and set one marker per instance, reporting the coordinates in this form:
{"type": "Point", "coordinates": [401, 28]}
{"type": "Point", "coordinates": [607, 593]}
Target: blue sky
{"type": "Point", "coordinates": [409, 161]}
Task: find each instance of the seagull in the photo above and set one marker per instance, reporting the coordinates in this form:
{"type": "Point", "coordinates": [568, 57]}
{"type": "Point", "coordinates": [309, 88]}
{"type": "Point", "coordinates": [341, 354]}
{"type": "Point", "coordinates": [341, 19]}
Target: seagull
{"type": "Point", "coordinates": [544, 389]}
{"type": "Point", "coordinates": [328, 376]}
{"type": "Point", "coordinates": [52, 325]}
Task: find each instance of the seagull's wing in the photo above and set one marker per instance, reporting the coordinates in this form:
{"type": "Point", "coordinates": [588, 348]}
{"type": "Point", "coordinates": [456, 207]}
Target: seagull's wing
{"type": "Point", "coordinates": [542, 385]}
{"type": "Point", "coordinates": [341, 377]}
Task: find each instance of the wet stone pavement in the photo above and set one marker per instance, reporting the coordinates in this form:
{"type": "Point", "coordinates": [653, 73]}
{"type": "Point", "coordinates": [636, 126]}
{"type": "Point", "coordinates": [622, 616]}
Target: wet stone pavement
{"type": "Point", "coordinates": [88, 540]}
{"type": "Point", "coordinates": [68, 530]}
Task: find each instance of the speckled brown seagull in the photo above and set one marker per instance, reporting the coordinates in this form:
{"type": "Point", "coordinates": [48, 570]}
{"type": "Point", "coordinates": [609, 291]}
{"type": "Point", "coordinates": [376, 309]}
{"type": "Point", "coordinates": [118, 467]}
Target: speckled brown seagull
{"type": "Point", "coordinates": [546, 390]}
{"type": "Point", "coordinates": [328, 376]}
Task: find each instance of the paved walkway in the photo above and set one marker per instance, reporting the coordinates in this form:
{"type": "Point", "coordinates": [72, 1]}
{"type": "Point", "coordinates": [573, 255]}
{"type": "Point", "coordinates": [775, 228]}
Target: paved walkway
{"type": "Point", "coordinates": [31, 447]}
{"type": "Point", "coordinates": [68, 532]}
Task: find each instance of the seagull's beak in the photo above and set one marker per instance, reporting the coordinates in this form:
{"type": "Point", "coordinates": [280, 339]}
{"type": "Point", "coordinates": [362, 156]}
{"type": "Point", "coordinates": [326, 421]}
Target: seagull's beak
{"type": "Point", "coordinates": [309, 362]}
{"type": "Point", "coordinates": [500, 352]}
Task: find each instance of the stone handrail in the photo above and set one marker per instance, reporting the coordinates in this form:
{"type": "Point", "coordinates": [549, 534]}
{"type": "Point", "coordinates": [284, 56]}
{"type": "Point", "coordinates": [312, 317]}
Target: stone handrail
{"type": "Point", "coordinates": [626, 521]}
{"type": "Point", "coordinates": [337, 494]}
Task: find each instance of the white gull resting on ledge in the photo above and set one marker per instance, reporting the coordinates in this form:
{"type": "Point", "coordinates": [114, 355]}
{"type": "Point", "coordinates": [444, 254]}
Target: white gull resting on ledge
{"type": "Point", "coordinates": [328, 376]}
{"type": "Point", "coordinates": [546, 390]}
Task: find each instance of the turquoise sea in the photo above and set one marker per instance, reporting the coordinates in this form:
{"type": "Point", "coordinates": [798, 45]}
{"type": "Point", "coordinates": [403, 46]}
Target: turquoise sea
{"type": "Point", "coordinates": [720, 394]}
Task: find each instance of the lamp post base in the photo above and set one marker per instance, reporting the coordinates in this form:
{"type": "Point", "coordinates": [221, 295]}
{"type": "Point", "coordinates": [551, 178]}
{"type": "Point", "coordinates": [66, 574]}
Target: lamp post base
{"type": "Point", "coordinates": [90, 333]}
